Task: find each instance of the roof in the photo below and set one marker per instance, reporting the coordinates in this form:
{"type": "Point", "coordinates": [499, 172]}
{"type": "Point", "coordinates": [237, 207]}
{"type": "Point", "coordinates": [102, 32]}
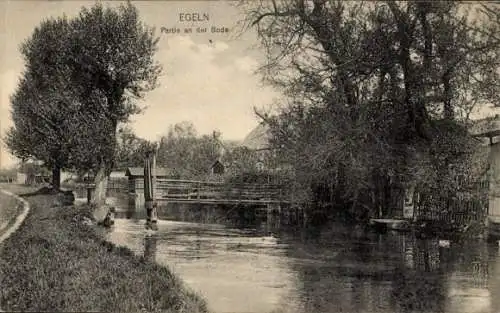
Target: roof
{"type": "Point", "coordinates": [258, 138]}
{"type": "Point", "coordinates": [139, 171]}
{"type": "Point", "coordinates": [117, 174]}
{"type": "Point", "coordinates": [217, 162]}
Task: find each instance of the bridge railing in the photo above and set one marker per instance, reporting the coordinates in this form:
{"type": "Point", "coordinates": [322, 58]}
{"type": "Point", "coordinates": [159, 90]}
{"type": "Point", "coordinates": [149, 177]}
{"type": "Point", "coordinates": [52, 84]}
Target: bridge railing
{"type": "Point", "coordinates": [191, 190]}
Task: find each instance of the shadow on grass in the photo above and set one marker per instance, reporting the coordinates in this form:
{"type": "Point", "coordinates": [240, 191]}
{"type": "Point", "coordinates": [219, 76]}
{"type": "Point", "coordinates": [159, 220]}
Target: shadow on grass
{"type": "Point", "coordinates": [42, 191]}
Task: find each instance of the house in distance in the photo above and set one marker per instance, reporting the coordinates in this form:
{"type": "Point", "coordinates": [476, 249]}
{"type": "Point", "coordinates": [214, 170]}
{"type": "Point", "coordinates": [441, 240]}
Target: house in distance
{"type": "Point", "coordinates": [217, 168]}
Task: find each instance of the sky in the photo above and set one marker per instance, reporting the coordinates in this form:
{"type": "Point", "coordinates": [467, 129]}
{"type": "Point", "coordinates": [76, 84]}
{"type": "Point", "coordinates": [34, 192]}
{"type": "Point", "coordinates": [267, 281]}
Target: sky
{"type": "Point", "coordinates": [208, 78]}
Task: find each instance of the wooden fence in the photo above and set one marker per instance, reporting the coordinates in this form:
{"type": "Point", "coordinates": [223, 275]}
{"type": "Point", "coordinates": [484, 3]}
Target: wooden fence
{"type": "Point", "coordinates": [7, 179]}
{"type": "Point", "coordinates": [115, 187]}
{"type": "Point", "coordinates": [190, 191]}
{"type": "Point", "coordinates": [118, 185]}
{"type": "Point", "coordinates": [456, 210]}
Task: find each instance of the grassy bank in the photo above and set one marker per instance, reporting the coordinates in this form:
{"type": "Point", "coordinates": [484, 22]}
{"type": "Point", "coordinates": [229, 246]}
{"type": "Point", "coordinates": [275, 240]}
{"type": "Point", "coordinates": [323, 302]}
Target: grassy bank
{"type": "Point", "coordinates": [9, 206]}
{"type": "Point", "coordinates": [56, 263]}
{"type": "Point", "coordinates": [9, 209]}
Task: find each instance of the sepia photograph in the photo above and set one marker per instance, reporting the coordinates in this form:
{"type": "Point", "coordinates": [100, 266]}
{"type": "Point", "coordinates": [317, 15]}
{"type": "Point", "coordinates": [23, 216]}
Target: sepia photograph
{"type": "Point", "coordinates": [250, 156]}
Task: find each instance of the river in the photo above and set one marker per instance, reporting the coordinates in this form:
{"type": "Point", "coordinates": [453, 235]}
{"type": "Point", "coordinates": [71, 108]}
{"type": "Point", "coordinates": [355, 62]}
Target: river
{"type": "Point", "coordinates": [248, 270]}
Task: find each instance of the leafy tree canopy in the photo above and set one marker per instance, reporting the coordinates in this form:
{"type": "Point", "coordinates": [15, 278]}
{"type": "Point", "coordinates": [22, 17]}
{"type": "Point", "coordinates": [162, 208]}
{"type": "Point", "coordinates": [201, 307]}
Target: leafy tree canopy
{"type": "Point", "coordinates": [82, 78]}
{"type": "Point", "coordinates": [378, 94]}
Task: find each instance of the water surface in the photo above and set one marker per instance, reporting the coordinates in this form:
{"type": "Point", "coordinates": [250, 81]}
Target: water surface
{"type": "Point", "coordinates": [244, 271]}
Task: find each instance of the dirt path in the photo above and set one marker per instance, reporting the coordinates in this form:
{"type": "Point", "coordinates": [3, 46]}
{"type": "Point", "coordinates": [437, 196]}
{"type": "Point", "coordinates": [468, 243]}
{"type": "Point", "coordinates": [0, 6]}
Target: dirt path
{"type": "Point", "coordinates": [12, 209]}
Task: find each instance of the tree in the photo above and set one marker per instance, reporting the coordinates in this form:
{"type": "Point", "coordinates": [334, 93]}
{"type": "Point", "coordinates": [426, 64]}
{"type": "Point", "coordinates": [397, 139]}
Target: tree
{"type": "Point", "coordinates": [189, 154]}
{"type": "Point", "coordinates": [378, 94]}
{"type": "Point", "coordinates": [242, 159]}
{"type": "Point", "coordinates": [112, 64]}
{"type": "Point", "coordinates": [42, 103]}
{"type": "Point", "coordinates": [131, 150]}
{"type": "Point", "coordinates": [82, 78]}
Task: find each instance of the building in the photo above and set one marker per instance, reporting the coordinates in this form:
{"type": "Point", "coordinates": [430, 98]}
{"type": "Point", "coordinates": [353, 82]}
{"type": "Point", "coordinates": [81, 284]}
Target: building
{"type": "Point", "coordinates": [258, 138]}
{"type": "Point", "coordinates": [217, 168]}
{"type": "Point", "coordinates": [22, 178]}
{"type": "Point", "coordinates": [118, 174]}
{"type": "Point", "coordinates": [257, 141]}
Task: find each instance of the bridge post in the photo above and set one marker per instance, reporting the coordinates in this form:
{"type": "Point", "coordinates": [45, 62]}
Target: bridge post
{"type": "Point", "coordinates": [273, 215]}
{"type": "Point", "coordinates": [269, 217]}
{"type": "Point", "coordinates": [280, 212]}
{"type": "Point", "coordinates": [149, 188]}
{"type": "Point", "coordinates": [154, 209]}
{"type": "Point", "coordinates": [198, 187]}
{"type": "Point", "coordinates": [493, 220]}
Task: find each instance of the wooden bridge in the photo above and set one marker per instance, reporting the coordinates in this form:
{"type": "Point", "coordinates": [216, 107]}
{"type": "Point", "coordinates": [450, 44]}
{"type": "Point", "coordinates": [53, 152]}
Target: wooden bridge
{"type": "Point", "coordinates": [131, 193]}
{"type": "Point", "coordinates": [188, 191]}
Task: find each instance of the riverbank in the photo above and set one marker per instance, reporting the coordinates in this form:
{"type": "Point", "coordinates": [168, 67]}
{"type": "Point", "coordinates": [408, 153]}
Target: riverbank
{"type": "Point", "coordinates": [54, 262]}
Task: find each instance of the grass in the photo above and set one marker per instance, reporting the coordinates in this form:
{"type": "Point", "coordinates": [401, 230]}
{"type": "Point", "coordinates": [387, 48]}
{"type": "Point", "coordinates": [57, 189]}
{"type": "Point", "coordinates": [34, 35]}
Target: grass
{"type": "Point", "coordinates": [53, 262]}
{"type": "Point", "coordinates": [9, 209]}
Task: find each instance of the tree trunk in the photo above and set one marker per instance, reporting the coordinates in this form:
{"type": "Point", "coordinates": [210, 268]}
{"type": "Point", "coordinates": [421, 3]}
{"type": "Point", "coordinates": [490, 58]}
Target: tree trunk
{"type": "Point", "coordinates": [56, 177]}
{"type": "Point", "coordinates": [388, 194]}
{"type": "Point", "coordinates": [101, 184]}
{"type": "Point", "coordinates": [99, 197]}
{"type": "Point", "coordinates": [101, 179]}
{"type": "Point", "coordinates": [448, 108]}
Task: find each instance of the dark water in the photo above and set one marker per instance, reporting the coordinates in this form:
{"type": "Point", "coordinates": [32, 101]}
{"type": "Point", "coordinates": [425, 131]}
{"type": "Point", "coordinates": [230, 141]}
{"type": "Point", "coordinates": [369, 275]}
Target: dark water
{"type": "Point", "coordinates": [330, 271]}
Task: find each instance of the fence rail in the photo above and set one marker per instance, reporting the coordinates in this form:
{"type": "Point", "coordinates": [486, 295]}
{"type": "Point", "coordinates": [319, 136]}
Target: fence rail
{"type": "Point", "coordinates": [172, 190]}
{"type": "Point", "coordinates": [115, 186]}
{"type": "Point", "coordinates": [198, 191]}
{"type": "Point", "coordinates": [457, 211]}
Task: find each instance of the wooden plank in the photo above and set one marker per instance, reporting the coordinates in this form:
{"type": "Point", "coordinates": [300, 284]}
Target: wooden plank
{"type": "Point", "coordinates": [222, 201]}
{"type": "Point", "coordinates": [186, 190]}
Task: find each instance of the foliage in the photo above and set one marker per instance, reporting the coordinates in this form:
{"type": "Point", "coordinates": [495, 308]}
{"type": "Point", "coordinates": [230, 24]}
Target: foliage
{"type": "Point", "coordinates": [112, 64]}
{"type": "Point", "coordinates": [8, 172]}
{"type": "Point", "coordinates": [379, 94]}
{"type": "Point", "coordinates": [187, 153]}
{"type": "Point", "coordinates": [42, 116]}
{"type": "Point", "coordinates": [241, 159]}
{"type": "Point", "coordinates": [131, 149]}
{"type": "Point", "coordinates": [83, 77]}
{"type": "Point", "coordinates": [33, 168]}
{"type": "Point", "coordinates": [191, 155]}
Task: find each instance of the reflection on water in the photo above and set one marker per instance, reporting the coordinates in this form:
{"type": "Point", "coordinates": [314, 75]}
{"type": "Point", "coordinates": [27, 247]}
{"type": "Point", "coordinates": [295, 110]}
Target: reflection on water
{"type": "Point", "coordinates": [150, 241]}
{"type": "Point", "coordinates": [244, 271]}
